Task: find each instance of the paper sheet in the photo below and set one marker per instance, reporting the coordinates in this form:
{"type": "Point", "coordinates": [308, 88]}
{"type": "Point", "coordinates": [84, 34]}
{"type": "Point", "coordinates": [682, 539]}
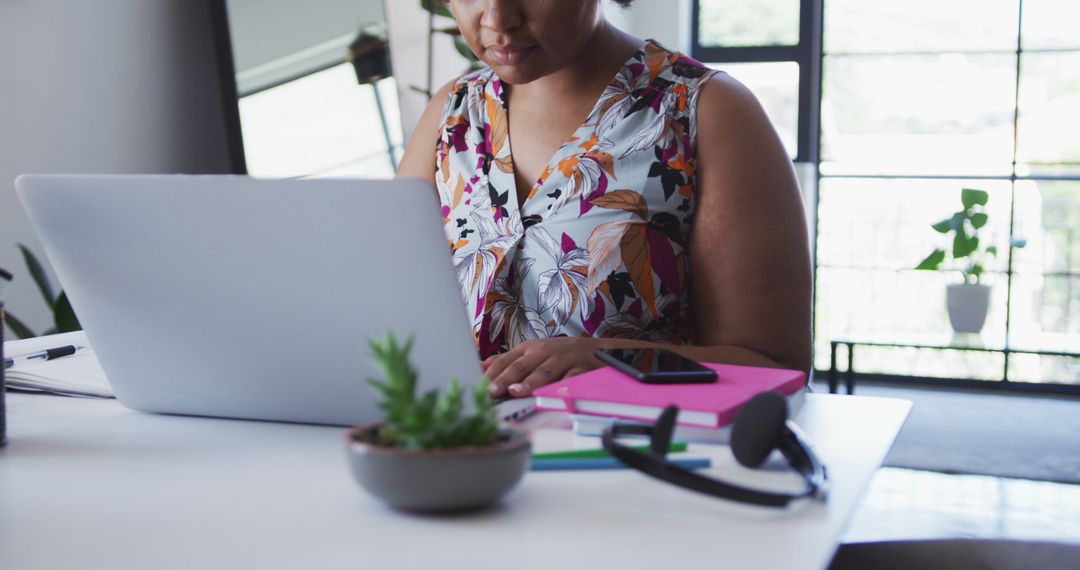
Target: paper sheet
{"type": "Point", "coordinates": [75, 375]}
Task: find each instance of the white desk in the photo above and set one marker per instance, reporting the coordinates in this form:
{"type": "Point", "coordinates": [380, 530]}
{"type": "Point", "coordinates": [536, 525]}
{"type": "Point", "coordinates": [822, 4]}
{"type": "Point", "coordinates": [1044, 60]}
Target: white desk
{"type": "Point", "coordinates": [90, 484]}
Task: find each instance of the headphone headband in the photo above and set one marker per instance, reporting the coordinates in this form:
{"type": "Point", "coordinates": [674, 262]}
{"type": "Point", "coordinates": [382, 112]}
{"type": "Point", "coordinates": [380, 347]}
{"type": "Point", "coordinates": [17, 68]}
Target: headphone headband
{"type": "Point", "coordinates": [654, 462]}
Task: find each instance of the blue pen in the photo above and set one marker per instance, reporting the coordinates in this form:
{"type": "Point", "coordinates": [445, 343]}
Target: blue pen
{"type": "Point", "coordinates": [608, 463]}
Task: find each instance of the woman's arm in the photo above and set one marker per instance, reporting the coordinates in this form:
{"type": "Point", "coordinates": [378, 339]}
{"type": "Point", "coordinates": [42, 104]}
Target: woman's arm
{"type": "Point", "coordinates": [749, 254]}
{"type": "Point", "coordinates": [419, 158]}
{"type": "Point", "coordinates": [750, 280]}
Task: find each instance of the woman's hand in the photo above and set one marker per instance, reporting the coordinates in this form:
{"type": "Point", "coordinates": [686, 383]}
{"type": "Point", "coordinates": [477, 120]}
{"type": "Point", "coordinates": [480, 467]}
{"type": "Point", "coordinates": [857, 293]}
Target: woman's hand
{"type": "Point", "coordinates": [537, 362]}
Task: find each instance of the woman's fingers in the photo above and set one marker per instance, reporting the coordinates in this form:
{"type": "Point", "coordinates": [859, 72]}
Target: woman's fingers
{"type": "Point", "coordinates": [511, 368]}
{"type": "Point", "coordinates": [494, 365]}
{"type": "Point", "coordinates": [535, 363]}
{"type": "Point", "coordinates": [574, 371]}
{"type": "Point", "coordinates": [545, 373]}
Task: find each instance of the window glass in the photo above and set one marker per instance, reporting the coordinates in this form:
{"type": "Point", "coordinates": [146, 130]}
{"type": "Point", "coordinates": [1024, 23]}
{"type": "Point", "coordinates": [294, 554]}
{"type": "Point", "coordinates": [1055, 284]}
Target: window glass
{"type": "Point", "coordinates": [1049, 100]}
{"type": "Point", "coordinates": [322, 123]}
{"type": "Point", "coordinates": [873, 232]}
{"type": "Point", "coordinates": [927, 363]}
{"type": "Point", "coordinates": [865, 26]}
{"type": "Point", "coordinates": [776, 85]}
{"type": "Point", "coordinates": [1048, 220]}
{"type": "Point", "coordinates": [736, 23]}
{"type": "Point", "coordinates": [903, 306]}
{"type": "Point", "coordinates": [1044, 369]}
{"type": "Point", "coordinates": [1050, 24]}
{"type": "Point", "coordinates": [1045, 313]}
{"type": "Point", "coordinates": [918, 114]}
{"type": "Point", "coordinates": [919, 100]}
{"type": "Point", "coordinates": [873, 223]}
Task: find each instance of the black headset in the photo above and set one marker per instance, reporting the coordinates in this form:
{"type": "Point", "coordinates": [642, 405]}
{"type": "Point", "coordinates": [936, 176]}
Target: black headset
{"type": "Point", "coordinates": [761, 426]}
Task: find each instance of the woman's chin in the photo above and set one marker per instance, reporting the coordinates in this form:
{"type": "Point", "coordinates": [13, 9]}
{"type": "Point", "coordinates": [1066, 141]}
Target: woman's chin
{"type": "Point", "coordinates": [516, 74]}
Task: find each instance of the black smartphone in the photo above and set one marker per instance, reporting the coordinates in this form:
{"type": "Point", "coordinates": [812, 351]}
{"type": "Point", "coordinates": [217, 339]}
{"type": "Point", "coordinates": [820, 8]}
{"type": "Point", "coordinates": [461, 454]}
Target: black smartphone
{"type": "Point", "coordinates": [657, 366]}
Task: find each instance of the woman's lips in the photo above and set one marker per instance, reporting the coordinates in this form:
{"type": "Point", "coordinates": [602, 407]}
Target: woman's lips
{"type": "Point", "coordinates": [509, 54]}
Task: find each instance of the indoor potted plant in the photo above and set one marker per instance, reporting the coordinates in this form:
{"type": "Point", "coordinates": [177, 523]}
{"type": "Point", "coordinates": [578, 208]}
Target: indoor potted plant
{"type": "Point", "coordinates": [63, 315]}
{"type": "Point", "coordinates": [429, 453]}
{"type": "Point", "coordinates": [967, 302]}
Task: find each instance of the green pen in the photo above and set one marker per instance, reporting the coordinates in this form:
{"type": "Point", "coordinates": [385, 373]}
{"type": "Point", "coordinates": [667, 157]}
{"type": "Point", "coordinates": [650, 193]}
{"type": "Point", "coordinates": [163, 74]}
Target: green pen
{"type": "Point", "coordinates": [676, 446]}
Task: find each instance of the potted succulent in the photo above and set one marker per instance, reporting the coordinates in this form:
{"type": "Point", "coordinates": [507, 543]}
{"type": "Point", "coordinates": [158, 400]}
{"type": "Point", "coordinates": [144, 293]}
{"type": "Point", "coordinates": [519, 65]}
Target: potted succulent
{"type": "Point", "coordinates": [967, 302]}
{"type": "Point", "coordinates": [429, 453]}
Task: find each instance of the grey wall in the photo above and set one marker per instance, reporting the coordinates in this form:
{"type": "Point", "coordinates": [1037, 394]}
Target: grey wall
{"type": "Point", "coordinates": [110, 86]}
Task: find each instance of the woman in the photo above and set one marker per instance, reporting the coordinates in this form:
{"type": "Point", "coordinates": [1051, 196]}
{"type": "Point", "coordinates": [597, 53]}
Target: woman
{"type": "Point", "coordinates": [647, 201]}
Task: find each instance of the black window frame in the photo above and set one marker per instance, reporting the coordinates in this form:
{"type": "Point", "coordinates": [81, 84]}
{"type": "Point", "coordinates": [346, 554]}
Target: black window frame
{"type": "Point", "coordinates": [806, 53]}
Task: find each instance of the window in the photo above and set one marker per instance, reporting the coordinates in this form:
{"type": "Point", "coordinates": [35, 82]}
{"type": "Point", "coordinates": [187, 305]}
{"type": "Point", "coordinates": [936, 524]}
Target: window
{"type": "Point", "coordinates": [737, 23]}
{"type": "Point", "coordinates": [323, 124]}
{"type": "Point", "coordinates": [304, 109]}
{"type": "Point", "coordinates": [918, 100]}
{"type": "Point", "coordinates": [769, 46]}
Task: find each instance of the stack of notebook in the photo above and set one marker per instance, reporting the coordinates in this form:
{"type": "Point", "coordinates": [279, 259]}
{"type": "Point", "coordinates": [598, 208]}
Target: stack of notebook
{"type": "Point", "coordinates": [706, 411]}
{"type": "Point", "coordinates": [75, 375]}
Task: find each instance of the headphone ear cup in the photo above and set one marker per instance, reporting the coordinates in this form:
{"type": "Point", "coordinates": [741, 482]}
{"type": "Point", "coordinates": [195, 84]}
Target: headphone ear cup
{"type": "Point", "coordinates": [758, 428]}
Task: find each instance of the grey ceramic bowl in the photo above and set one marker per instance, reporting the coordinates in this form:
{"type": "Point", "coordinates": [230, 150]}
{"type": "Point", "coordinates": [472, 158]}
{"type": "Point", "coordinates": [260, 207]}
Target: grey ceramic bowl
{"type": "Point", "coordinates": [437, 480]}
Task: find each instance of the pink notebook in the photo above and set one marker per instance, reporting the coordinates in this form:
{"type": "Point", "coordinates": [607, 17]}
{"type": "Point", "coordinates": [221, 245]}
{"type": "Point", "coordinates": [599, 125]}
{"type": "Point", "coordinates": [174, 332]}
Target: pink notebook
{"type": "Point", "coordinates": [608, 392]}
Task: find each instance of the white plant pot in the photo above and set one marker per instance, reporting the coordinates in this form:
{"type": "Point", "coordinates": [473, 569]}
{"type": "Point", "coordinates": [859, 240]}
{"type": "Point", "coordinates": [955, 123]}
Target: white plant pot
{"type": "Point", "coordinates": [968, 305]}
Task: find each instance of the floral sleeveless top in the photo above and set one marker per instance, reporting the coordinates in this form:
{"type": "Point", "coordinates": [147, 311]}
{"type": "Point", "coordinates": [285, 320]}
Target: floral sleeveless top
{"type": "Point", "coordinates": [598, 247]}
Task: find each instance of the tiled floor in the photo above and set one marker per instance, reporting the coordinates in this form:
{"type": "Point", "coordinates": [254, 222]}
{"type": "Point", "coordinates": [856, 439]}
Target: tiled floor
{"type": "Point", "coordinates": [908, 504]}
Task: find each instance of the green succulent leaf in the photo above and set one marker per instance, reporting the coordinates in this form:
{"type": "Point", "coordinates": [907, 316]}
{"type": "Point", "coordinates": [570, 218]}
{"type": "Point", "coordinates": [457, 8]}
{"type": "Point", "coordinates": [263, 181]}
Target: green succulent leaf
{"type": "Point", "coordinates": [978, 220]}
{"type": "Point", "coordinates": [992, 250]}
{"type": "Point", "coordinates": [37, 272]}
{"type": "Point", "coordinates": [932, 261]}
{"type": "Point", "coordinates": [972, 196]}
{"type": "Point", "coordinates": [18, 327]}
{"type": "Point", "coordinates": [431, 420]}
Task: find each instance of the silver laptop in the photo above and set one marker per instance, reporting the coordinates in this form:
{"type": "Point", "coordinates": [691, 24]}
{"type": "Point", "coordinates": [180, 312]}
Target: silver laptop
{"type": "Point", "coordinates": [237, 297]}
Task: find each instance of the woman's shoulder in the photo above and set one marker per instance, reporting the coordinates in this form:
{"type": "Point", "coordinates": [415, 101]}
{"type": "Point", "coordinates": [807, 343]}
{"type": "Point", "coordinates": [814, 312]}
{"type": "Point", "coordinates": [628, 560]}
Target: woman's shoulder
{"type": "Point", "coordinates": [447, 106]}
{"type": "Point", "coordinates": [476, 81]}
{"type": "Point", "coordinates": [668, 67]}
{"type": "Point", "coordinates": [724, 98]}
{"type": "Point", "coordinates": [719, 92]}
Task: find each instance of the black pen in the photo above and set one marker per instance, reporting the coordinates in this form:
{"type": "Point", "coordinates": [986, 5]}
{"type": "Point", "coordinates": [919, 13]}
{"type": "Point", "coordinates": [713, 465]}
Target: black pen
{"type": "Point", "coordinates": [47, 354]}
